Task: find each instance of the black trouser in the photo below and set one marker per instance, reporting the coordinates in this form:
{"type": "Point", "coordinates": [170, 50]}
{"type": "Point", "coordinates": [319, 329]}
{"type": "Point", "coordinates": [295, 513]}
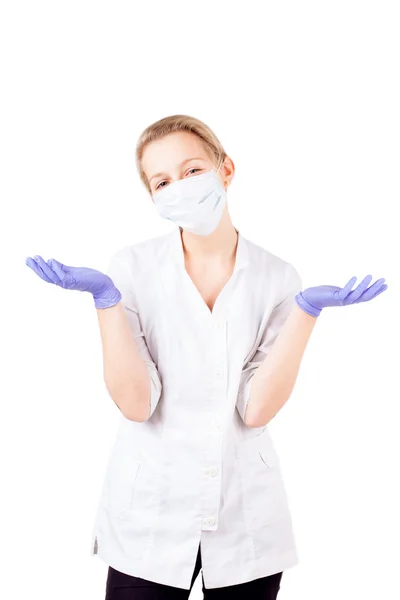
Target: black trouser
{"type": "Point", "coordinates": [121, 586]}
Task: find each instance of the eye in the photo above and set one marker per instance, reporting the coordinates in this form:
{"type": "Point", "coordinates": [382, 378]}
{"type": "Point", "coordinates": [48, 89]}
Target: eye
{"type": "Point", "coordinates": [194, 170]}
{"type": "Point", "coordinates": [157, 186]}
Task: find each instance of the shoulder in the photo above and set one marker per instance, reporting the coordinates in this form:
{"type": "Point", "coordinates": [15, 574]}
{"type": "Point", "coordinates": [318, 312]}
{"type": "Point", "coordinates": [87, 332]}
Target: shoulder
{"type": "Point", "coordinates": [278, 272]}
{"type": "Point", "coordinates": [143, 254]}
{"type": "Point", "coordinates": [261, 257]}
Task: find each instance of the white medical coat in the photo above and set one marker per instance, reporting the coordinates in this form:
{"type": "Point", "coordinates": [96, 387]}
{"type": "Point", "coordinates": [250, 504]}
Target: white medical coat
{"type": "Point", "coordinates": [194, 472]}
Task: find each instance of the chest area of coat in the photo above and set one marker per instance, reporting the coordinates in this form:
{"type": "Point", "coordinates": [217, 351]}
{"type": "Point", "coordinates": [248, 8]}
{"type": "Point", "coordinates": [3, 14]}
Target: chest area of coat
{"type": "Point", "coordinates": [179, 327]}
{"type": "Point", "coordinates": [208, 281]}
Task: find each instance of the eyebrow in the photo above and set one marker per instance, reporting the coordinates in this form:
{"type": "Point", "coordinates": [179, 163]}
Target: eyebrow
{"type": "Point", "coordinates": [182, 163]}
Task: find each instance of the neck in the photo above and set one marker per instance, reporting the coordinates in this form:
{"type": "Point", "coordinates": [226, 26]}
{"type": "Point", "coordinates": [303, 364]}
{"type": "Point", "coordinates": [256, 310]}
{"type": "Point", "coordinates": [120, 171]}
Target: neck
{"type": "Point", "coordinates": [220, 244]}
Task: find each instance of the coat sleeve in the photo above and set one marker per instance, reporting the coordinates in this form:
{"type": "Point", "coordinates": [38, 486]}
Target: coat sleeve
{"type": "Point", "coordinates": [121, 272]}
{"type": "Point", "coordinates": [291, 285]}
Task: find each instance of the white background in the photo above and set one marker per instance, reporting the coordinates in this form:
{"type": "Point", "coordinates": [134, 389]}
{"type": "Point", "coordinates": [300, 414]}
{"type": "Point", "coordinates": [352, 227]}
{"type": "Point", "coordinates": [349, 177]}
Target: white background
{"type": "Point", "coordinates": [305, 98]}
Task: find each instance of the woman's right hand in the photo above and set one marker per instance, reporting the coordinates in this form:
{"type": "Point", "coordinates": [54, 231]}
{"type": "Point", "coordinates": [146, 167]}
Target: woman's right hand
{"type": "Point", "coordinates": [101, 286]}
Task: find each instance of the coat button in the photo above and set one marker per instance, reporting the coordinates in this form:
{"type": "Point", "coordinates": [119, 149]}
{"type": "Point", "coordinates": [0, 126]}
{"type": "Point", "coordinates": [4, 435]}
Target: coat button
{"type": "Point", "coordinates": [216, 424]}
{"type": "Point", "coordinates": [212, 472]}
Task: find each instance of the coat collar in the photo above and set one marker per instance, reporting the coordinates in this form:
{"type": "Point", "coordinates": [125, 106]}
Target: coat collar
{"type": "Point", "coordinates": [242, 250]}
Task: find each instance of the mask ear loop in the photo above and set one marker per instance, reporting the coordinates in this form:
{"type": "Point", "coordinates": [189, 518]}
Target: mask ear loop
{"type": "Point", "coordinates": [220, 165]}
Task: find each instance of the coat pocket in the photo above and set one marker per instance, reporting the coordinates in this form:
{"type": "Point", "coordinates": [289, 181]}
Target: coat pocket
{"type": "Point", "coordinates": [264, 493]}
{"type": "Point", "coordinates": [267, 452]}
{"type": "Point", "coordinates": [122, 473]}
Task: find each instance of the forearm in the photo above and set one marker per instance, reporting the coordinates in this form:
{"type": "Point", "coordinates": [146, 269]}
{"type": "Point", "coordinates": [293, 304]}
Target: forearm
{"type": "Point", "coordinates": [274, 379]}
{"type": "Point", "coordinates": [125, 372]}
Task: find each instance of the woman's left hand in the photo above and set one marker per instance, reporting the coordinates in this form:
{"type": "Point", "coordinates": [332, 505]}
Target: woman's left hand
{"type": "Point", "coordinates": [314, 299]}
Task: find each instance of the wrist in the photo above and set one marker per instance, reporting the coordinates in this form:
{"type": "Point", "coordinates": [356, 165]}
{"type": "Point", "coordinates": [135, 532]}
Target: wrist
{"type": "Point", "coordinates": [109, 297]}
{"type": "Point", "coordinates": [306, 306]}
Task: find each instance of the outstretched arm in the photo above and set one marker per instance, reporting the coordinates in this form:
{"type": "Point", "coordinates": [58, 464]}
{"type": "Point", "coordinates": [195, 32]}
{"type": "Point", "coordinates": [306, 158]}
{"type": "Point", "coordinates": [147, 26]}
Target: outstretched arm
{"type": "Point", "coordinates": [274, 379]}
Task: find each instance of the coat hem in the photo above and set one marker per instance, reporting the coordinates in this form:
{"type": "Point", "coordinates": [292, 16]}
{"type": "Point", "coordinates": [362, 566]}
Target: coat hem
{"type": "Point", "coordinates": [280, 563]}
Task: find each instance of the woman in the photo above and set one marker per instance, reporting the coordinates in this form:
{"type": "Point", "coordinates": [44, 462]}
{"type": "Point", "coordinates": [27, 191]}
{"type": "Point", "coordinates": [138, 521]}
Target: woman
{"type": "Point", "coordinates": [187, 320]}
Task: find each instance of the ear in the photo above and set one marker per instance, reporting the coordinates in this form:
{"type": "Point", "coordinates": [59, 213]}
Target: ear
{"type": "Point", "coordinates": [228, 171]}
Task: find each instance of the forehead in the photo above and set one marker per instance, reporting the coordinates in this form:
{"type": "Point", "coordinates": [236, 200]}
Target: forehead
{"type": "Point", "coordinates": [168, 152]}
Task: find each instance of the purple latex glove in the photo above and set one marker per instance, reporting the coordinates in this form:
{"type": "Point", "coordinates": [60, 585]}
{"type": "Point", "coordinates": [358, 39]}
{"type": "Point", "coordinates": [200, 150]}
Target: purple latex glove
{"type": "Point", "coordinates": [314, 299]}
{"type": "Point", "coordinates": [101, 286]}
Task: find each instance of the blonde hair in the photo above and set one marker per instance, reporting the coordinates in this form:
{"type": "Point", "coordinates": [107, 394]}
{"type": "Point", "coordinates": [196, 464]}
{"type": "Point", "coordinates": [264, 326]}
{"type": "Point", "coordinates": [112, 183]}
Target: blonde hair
{"type": "Point", "coordinates": [173, 123]}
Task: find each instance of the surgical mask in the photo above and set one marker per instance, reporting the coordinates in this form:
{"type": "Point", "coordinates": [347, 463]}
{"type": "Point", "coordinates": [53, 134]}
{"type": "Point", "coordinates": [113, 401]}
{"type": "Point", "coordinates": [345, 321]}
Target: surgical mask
{"type": "Point", "coordinates": [194, 203]}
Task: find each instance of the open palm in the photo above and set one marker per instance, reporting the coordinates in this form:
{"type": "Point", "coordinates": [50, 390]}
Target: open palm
{"type": "Point", "coordinates": [314, 299]}
{"type": "Point", "coordinates": [83, 279]}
